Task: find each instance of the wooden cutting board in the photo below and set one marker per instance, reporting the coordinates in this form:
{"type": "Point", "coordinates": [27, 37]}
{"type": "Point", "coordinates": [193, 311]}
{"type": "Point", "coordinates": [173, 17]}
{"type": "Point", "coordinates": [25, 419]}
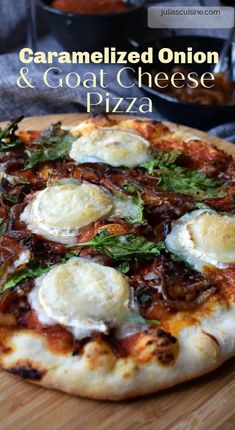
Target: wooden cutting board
{"type": "Point", "coordinates": [207, 403]}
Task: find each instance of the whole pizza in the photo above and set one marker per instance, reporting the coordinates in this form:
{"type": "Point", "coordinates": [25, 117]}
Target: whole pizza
{"type": "Point", "coordinates": [117, 256]}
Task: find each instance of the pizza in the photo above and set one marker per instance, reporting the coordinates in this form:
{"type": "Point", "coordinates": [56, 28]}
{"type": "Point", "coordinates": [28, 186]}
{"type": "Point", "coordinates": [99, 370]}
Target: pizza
{"type": "Point", "coordinates": [117, 256]}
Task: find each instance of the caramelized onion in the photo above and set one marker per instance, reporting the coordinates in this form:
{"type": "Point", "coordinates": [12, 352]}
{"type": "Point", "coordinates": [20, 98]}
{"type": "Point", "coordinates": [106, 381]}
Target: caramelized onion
{"type": "Point", "coordinates": [183, 305]}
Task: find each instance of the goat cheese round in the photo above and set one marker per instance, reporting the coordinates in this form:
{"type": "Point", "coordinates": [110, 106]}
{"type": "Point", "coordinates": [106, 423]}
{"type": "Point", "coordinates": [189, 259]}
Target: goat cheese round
{"type": "Point", "coordinates": [58, 212]}
{"type": "Point", "coordinates": [204, 237]}
{"type": "Point", "coordinates": [82, 296]}
{"type": "Point", "coordinates": [115, 146]}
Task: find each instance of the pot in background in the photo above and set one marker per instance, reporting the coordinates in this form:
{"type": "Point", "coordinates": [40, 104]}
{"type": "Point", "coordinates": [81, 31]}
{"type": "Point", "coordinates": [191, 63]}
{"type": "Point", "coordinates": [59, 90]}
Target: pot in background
{"type": "Point", "coordinates": [199, 116]}
{"type": "Point", "coordinates": [91, 32]}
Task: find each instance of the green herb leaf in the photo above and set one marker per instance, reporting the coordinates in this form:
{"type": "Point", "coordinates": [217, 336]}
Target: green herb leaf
{"type": "Point", "coordinates": [3, 226]}
{"type": "Point", "coordinates": [68, 256]}
{"type": "Point", "coordinates": [135, 318]}
{"type": "Point", "coordinates": [123, 267]}
{"type": "Point", "coordinates": [140, 203]}
{"type": "Point", "coordinates": [54, 144]}
{"type": "Point", "coordinates": [161, 160]}
{"type": "Point", "coordinates": [8, 138]}
{"type": "Point", "coordinates": [129, 187]}
{"type": "Point", "coordinates": [153, 322]}
{"type": "Point", "coordinates": [201, 205]}
{"type": "Point", "coordinates": [31, 271]}
{"type": "Point", "coordinates": [11, 198]}
{"type": "Point", "coordinates": [123, 247]}
{"type": "Point", "coordinates": [188, 181]}
{"type": "Point", "coordinates": [22, 275]}
{"type": "Point", "coordinates": [182, 180]}
{"type": "Point", "coordinates": [131, 206]}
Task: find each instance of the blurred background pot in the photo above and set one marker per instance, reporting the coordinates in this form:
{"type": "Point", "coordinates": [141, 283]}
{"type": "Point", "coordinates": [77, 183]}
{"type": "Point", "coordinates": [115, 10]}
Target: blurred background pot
{"type": "Point", "coordinates": [91, 32]}
{"type": "Point", "coordinates": [199, 116]}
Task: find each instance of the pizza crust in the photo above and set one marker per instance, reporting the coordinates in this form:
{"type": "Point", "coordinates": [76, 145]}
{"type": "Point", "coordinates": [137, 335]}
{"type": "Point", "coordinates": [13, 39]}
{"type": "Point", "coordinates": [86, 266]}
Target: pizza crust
{"type": "Point", "coordinates": [98, 374]}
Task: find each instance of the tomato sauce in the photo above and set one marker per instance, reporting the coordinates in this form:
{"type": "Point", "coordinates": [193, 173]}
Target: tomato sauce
{"type": "Point", "coordinates": [91, 7]}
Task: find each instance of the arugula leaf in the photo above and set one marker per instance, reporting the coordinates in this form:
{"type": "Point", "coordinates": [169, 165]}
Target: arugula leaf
{"type": "Point", "coordinates": [161, 160]}
{"type": "Point", "coordinates": [139, 215]}
{"type": "Point", "coordinates": [135, 318]}
{"type": "Point", "coordinates": [182, 180]}
{"type": "Point", "coordinates": [129, 187]}
{"type": "Point", "coordinates": [123, 267]}
{"type": "Point", "coordinates": [153, 322]}
{"type": "Point", "coordinates": [56, 152]}
{"type": "Point", "coordinates": [188, 181]}
{"type": "Point", "coordinates": [132, 206]}
{"type": "Point", "coordinates": [8, 139]}
{"type": "Point", "coordinates": [54, 144]}
{"type": "Point", "coordinates": [3, 226]}
{"type": "Point", "coordinates": [31, 271]}
{"type": "Point", "coordinates": [11, 198]}
{"type": "Point", "coordinates": [201, 205]}
{"type": "Point", "coordinates": [140, 203]}
{"type": "Point", "coordinates": [68, 256]}
{"type": "Point", "coordinates": [123, 247]}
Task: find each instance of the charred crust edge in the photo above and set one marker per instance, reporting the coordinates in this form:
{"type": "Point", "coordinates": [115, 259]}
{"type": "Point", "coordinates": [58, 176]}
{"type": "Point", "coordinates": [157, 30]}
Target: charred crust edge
{"type": "Point", "coordinates": [27, 372]}
{"type": "Point", "coordinates": [167, 336]}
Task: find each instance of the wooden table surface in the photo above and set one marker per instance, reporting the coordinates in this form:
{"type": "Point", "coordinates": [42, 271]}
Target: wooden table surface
{"type": "Point", "coordinates": [207, 403]}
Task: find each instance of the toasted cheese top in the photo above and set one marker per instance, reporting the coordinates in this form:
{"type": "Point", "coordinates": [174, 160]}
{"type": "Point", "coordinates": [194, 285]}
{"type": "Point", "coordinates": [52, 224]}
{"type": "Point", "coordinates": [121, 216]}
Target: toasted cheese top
{"type": "Point", "coordinates": [115, 146]}
{"type": "Point", "coordinates": [60, 210]}
{"type": "Point", "coordinates": [204, 237]}
{"type": "Point", "coordinates": [84, 296]}
{"type": "Point", "coordinates": [214, 233]}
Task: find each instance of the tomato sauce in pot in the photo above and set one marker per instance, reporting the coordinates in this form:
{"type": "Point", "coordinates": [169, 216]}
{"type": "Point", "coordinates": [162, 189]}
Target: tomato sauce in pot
{"type": "Point", "coordinates": [91, 6]}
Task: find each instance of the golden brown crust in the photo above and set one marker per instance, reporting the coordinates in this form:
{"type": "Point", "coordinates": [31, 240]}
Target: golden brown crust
{"type": "Point", "coordinates": [99, 374]}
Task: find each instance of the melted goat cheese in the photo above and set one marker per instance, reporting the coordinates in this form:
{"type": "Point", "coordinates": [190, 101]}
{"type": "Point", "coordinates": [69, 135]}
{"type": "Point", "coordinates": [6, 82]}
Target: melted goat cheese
{"type": "Point", "coordinates": [115, 146]}
{"type": "Point", "coordinates": [204, 237]}
{"type": "Point", "coordinates": [82, 296]}
{"type": "Point", "coordinates": [58, 212]}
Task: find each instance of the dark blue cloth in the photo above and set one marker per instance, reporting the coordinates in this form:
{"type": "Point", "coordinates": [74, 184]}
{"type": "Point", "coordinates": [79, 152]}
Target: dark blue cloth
{"type": "Point", "coordinates": [225, 131]}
